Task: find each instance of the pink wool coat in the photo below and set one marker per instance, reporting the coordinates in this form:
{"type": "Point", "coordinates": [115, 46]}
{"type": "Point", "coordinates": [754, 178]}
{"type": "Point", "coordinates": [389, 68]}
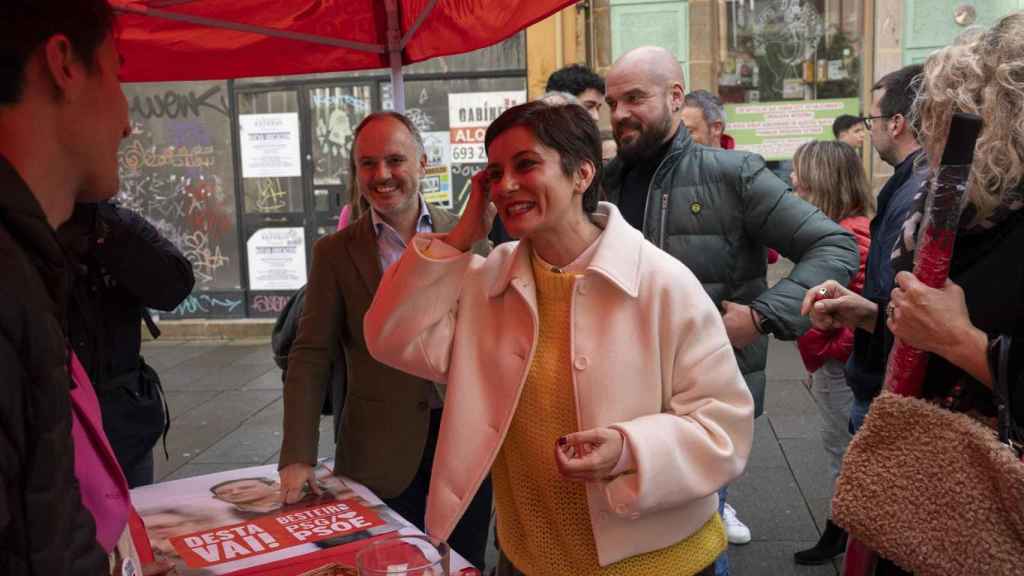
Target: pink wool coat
{"type": "Point", "coordinates": [650, 358]}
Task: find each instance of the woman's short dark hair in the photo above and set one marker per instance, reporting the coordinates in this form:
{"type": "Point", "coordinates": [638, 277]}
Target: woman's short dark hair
{"type": "Point", "coordinates": [25, 25]}
{"type": "Point", "coordinates": [565, 128]}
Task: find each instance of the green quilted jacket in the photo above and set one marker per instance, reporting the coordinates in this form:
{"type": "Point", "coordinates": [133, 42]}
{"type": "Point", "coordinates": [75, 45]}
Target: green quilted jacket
{"type": "Point", "coordinates": [718, 211]}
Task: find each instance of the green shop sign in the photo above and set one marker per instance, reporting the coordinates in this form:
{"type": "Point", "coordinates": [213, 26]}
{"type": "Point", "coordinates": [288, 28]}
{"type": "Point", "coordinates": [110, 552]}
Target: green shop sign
{"type": "Point", "coordinates": [776, 129]}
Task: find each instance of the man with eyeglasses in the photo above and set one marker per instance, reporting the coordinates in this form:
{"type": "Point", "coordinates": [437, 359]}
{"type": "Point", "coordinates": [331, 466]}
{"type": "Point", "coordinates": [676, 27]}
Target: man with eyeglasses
{"type": "Point", "coordinates": [896, 142]}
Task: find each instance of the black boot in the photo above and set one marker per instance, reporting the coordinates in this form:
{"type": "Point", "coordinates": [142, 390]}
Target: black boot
{"type": "Point", "coordinates": [831, 544]}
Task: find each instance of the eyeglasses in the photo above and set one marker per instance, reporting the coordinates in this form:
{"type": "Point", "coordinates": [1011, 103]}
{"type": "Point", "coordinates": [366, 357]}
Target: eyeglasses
{"type": "Point", "coordinates": [867, 119]}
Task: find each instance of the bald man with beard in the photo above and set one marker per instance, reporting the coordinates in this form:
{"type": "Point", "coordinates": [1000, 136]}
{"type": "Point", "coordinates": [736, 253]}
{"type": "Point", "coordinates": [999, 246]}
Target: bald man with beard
{"type": "Point", "coordinates": [716, 211]}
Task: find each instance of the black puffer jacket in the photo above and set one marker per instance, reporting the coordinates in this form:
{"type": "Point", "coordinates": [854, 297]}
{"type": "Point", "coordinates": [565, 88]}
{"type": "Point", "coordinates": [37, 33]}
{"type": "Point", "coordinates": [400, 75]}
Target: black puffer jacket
{"type": "Point", "coordinates": [121, 266]}
{"type": "Point", "coordinates": [717, 211]}
{"type": "Point", "coordinates": [44, 530]}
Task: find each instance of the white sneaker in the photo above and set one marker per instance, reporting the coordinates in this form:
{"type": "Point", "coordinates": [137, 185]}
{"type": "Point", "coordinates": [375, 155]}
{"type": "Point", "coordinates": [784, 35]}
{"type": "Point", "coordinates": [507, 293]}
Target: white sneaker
{"type": "Point", "coordinates": [736, 531]}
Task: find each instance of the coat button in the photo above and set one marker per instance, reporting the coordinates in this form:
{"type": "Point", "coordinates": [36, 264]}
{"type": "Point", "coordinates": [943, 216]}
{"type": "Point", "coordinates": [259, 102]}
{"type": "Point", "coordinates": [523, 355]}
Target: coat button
{"type": "Point", "coordinates": [581, 363]}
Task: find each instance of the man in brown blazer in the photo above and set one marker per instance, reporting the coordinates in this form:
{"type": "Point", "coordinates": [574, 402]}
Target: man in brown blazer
{"type": "Point", "coordinates": [390, 421]}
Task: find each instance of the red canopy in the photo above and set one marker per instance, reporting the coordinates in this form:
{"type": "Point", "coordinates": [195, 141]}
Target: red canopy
{"type": "Point", "coordinates": [215, 39]}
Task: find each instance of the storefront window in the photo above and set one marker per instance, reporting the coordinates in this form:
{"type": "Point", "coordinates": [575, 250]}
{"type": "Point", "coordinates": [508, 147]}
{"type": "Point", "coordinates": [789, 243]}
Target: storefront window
{"type": "Point", "coordinates": [790, 50]}
{"type": "Point", "coordinates": [787, 70]}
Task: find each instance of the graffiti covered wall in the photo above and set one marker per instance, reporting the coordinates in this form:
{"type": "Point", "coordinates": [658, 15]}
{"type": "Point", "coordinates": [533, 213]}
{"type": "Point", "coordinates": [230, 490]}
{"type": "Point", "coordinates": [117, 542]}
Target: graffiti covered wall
{"type": "Point", "coordinates": [177, 170]}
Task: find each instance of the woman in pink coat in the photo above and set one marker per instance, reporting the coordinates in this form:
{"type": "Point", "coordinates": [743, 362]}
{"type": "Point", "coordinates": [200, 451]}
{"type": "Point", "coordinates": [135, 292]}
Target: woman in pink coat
{"type": "Point", "coordinates": [587, 371]}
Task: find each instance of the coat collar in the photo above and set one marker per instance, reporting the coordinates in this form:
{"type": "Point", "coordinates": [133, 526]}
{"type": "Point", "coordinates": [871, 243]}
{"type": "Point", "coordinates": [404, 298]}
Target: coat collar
{"type": "Point", "coordinates": [441, 219]}
{"type": "Point", "coordinates": [364, 253]}
{"type": "Point", "coordinates": [617, 258]}
{"type": "Point", "coordinates": [615, 171]}
{"type": "Point", "coordinates": [426, 216]}
{"type": "Point", "coordinates": [21, 211]}
{"type": "Point", "coordinates": [363, 248]}
{"type": "Point", "coordinates": [24, 219]}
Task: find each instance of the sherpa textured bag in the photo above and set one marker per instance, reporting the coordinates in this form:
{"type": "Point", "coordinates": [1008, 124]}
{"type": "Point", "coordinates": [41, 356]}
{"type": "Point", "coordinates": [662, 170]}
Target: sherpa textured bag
{"type": "Point", "coordinates": [934, 491]}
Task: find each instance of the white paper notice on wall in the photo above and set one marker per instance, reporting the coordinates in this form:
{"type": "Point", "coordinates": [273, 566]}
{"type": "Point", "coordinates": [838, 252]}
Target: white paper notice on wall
{"type": "Point", "coordinates": [270, 145]}
{"type": "Point", "coordinates": [277, 259]}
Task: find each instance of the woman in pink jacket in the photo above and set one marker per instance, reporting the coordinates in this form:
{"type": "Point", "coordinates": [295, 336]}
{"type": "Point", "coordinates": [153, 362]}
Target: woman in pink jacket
{"type": "Point", "coordinates": [587, 371]}
{"type": "Point", "coordinates": [829, 175]}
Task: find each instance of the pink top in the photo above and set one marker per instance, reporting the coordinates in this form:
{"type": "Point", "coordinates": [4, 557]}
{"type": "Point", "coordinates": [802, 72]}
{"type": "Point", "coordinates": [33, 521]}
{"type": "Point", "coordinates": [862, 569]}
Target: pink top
{"type": "Point", "coordinates": [344, 216]}
{"type": "Point", "coordinates": [101, 482]}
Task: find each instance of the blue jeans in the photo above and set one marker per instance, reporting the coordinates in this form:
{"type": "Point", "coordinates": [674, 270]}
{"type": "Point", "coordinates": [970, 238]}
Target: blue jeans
{"type": "Point", "coordinates": [858, 412]}
{"type": "Point", "coordinates": [722, 562]}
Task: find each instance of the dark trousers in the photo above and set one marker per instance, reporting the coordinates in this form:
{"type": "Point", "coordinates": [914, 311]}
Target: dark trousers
{"type": "Point", "coordinates": [470, 535]}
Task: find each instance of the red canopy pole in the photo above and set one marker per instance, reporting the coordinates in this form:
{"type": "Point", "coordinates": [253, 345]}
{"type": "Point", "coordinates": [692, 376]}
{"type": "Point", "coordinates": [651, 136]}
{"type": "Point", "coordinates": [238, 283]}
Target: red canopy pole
{"type": "Point", "coordinates": [395, 55]}
{"type": "Point", "coordinates": [945, 201]}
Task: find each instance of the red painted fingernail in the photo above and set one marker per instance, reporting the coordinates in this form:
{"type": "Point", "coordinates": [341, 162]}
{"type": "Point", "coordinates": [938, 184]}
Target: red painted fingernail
{"type": "Point", "coordinates": [562, 441]}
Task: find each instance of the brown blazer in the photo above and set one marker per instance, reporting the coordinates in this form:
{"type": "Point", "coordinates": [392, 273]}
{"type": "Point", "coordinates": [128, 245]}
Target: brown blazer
{"type": "Point", "coordinates": [384, 423]}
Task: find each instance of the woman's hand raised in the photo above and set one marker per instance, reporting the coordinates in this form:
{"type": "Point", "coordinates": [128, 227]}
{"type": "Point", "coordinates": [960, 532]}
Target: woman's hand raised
{"type": "Point", "coordinates": [477, 218]}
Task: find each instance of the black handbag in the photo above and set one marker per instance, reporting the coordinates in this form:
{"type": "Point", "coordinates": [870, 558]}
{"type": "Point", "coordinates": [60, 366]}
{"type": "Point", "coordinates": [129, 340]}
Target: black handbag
{"type": "Point", "coordinates": [135, 414]}
{"type": "Point", "coordinates": [281, 338]}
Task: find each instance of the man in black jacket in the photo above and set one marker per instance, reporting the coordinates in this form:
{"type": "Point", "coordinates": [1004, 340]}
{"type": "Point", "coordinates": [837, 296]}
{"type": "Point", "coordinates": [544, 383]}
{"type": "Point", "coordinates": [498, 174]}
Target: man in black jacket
{"type": "Point", "coordinates": [895, 140]}
{"type": "Point", "coordinates": [122, 265]}
{"type": "Point", "coordinates": [62, 116]}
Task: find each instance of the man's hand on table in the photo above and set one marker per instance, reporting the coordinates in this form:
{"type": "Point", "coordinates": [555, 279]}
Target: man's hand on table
{"type": "Point", "coordinates": [294, 477]}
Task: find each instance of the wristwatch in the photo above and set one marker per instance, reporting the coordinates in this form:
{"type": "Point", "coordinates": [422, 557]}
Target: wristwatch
{"type": "Point", "coordinates": [760, 321]}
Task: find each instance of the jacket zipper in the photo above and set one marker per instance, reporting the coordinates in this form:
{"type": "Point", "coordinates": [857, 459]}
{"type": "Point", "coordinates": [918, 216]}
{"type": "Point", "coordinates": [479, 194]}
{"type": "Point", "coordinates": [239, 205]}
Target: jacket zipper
{"type": "Point", "coordinates": [664, 202]}
{"type": "Point", "coordinates": [664, 214]}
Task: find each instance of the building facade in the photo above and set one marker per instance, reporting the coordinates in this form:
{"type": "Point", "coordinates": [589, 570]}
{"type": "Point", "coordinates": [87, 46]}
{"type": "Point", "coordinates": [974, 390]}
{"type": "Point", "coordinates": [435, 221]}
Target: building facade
{"type": "Point", "coordinates": [786, 68]}
{"type": "Point", "coordinates": [244, 176]}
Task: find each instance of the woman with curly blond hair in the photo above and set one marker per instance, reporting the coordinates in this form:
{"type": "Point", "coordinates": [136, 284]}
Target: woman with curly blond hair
{"type": "Point", "coordinates": [981, 306]}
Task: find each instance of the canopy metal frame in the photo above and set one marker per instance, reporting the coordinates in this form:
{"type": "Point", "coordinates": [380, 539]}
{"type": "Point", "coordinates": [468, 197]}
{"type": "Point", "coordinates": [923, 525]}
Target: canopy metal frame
{"type": "Point", "coordinates": [396, 40]}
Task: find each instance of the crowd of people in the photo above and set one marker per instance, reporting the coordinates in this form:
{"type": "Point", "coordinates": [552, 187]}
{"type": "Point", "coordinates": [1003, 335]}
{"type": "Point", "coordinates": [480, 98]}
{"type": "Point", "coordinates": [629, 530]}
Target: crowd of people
{"type": "Point", "coordinates": [580, 353]}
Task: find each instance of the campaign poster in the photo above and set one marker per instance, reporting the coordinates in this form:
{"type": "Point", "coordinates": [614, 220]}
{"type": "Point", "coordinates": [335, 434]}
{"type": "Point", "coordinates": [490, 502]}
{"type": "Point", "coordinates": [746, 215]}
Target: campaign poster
{"type": "Point", "coordinates": [776, 129]}
{"type": "Point", "coordinates": [270, 145]}
{"type": "Point", "coordinates": [234, 522]}
{"type": "Point", "coordinates": [277, 258]}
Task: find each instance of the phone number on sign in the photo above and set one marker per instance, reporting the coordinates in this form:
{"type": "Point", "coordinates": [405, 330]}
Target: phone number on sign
{"type": "Point", "coordinates": [466, 153]}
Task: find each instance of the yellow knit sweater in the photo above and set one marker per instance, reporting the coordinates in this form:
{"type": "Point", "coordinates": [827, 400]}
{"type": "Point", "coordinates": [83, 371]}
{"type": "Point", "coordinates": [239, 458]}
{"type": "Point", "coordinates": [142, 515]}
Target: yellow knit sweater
{"type": "Point", "coordinates": [543, 519]}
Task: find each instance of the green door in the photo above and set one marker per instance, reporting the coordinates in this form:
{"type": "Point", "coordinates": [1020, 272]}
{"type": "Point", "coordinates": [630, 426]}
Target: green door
{"type": "Point", "coordinates": [931, 24]}
{"type": "Point", "coordinates": [662, 23]}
